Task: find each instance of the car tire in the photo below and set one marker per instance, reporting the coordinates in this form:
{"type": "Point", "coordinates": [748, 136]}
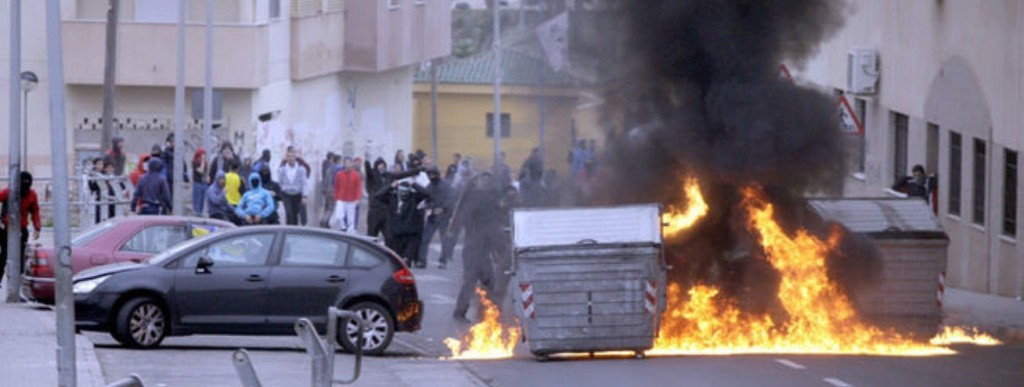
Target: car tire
{"type": "Point", "coordinates": [378, 333]}
{"type": "Point", "coordinates": [141, 323]}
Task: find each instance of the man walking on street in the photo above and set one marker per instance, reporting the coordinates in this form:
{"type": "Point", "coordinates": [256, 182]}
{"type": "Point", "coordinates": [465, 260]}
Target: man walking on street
{"type": "Point", "coordinates": [293, 189]}
{"type": "Point", "coordinates": [153, 194]}
{"type": "Point", "coordinates": [439, 209]}
{"type": "Point", "coordinates": [29, 207]}
{"type": "Point", "coordinates": [479, 212]}
{"type": "Point", "coordinates": [348, 190]}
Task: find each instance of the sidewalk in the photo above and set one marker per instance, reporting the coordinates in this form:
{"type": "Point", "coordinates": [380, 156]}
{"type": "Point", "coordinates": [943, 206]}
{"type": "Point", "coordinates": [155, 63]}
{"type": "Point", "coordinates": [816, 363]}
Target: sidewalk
{"type": "Point", "coordinates": [29, 357]}
{"type": "Point", "coordinates": [1003, 316]}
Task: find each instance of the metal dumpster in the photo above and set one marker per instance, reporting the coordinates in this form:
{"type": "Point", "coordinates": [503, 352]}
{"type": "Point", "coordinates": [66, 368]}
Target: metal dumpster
{"type": "Point", "coordinates": [588, 279]}
{"type": "Point", "coordinates": [913, 246]}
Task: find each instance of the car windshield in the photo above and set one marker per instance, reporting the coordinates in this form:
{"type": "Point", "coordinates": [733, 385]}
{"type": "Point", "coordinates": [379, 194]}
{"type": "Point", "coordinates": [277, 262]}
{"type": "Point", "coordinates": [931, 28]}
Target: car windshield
{"type": "Point", "coordinates": [164, 256]}
{"type": "Point", "coordinates": [92, 233]}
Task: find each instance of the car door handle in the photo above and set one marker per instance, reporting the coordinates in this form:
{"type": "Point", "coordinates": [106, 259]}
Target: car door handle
{"type": "Point", "coordinates": [335, 279]}
{"type": "Point", "coordinates": [254, 278]}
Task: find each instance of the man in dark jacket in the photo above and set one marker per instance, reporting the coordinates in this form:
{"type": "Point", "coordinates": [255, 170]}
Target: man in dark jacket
{"type": "Point", "coordinates": [216, 200]}
{"type": "Point", "coordinates": [378, 177]}
{"type": "Point", "coordinates": [439, 209]}
{"type": "Point", "coordinates": [404, 219]}
{"type": "Point", "coordinates": [29, 210]}
{"type": "Point", "coordinates": [275, 191]}
{"type": "Point", "coordinates": [152, 194]}
{"type": "Point", "coordinates": [479, 211]}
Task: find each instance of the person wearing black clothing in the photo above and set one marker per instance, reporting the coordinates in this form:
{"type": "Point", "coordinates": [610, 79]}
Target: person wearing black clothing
{"type": "Point", "coordinates": [439, 209]}
{"type": "Point", "coordinates": [378, 177]}
{"type": "Point", "coordinates": [479, 212]}
{"type": "Point", "coordinates": [168, 156]}
{"type": "Point", "coordinates": [453, 168]}
{"type": "Point", "coordinates": [275, 192]}
{"type": "Point", "coordinates": [221, 162]}
{"type": "Point", "coordinates": [404, 219]}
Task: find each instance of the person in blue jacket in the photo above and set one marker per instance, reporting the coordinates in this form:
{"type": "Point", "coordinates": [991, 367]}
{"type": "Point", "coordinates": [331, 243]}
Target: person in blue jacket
{"type": "Point", "coordinates": [152, 194]}
{"type": "Point", "coordinates": [256, 205]}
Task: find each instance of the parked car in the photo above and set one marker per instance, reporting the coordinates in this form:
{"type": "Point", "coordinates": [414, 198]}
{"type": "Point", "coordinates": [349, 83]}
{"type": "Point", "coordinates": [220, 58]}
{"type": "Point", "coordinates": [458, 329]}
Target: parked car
{"type": "Point", "coordinates": [256, 280]}
{"type": "Point", "coordinates": [121, 239]}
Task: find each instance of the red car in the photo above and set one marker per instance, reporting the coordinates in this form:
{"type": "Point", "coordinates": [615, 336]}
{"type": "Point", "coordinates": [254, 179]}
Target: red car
{"type": "Point", "coordinates": [121, 239]}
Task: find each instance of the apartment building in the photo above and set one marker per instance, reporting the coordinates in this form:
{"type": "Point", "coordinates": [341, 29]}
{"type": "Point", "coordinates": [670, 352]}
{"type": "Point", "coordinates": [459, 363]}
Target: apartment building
{"type": "Point", "coordinates": [321, 75]}
{"type": "Point", "coordinates": [947, 79]}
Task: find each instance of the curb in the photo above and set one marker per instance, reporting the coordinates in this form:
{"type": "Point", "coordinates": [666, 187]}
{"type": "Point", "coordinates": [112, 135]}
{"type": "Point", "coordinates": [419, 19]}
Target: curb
{"type": "Point", "coordinates": [86, 363]}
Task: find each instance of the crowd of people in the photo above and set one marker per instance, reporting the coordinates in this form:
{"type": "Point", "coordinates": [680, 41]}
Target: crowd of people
{"type": "Point", "coordinates": [409, 201]}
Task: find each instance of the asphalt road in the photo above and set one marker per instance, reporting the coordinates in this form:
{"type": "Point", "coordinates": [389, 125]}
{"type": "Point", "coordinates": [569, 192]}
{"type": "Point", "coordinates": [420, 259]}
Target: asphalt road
{"type": "Point", "coordinates": [413, 360]}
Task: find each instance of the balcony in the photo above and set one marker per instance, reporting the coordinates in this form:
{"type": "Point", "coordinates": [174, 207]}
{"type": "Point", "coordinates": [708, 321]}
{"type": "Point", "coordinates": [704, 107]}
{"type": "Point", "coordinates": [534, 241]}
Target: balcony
{"type": "Point", "coordinates": [317, 38]}
{"type": "Point", "coordinates": [147, 54]}
{"type": "Point", "coordinates": [381, 38]}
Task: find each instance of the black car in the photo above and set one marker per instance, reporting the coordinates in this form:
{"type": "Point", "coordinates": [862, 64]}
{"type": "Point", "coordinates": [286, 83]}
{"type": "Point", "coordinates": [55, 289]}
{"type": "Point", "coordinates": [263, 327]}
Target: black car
{"type": "Point", "coordinates": [253, 281]}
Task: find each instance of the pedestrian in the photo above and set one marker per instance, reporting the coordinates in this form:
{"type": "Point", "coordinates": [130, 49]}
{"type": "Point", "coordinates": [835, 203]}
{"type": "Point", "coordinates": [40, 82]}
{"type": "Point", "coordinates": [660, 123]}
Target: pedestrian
{"type": "Point", "coordinates": [216, 202]}
{"type": "Point", "coordinates": [156, 152]}
{"type": "Point", "coordinates": [29, 210]}
{"type": "Point", "coordinates": [93, 175]}
{"type": "Point", "coordinates": [293, 189]}
{"type": "Point", "coordinates": [246, 167]}
{"type": "Point", "coordinates": [378, 177]}
{"type": "Point", "coordinates": [577, 157]}
{"type": "Point", "coordinates": [256, 206]}
{"type": "Point", "coordinates": [531, 180]}
{"type": "Point", "coordinates": [327, 181]}
{"type": "Point", "coordinates": [271, 186]}
{"type": "Point", "coordinates": [404, 219]}
{"type": "Point", "coordinates": [348, 191]}
{"type": "Point", "coordinates": [233, 186]}
{"type": "Point", "coordinates": [263, 160]}
{"type": "Point", "coordinates": [478, 211]}
{"type": "Point", "coordinates": [399, 162]}
{"type": "Point", "coordinates": [199, 185]}
{"type": "Point", "coordinates": [140, 169]}
{"type": "Point", "coordinates": [117, 155]}
{"type": "Point", "coordinates": [502, 172]}
{"type": "Point", "coordinates": [453, 169]}
{"type": "Point", "coordinates": [114, 186]}
{"type": "Point", "coordinates": [220, 163]}
{"type": "Point", "coordinates": [168, 156]}
{"type": "Point", "coordinates": [152, 194]}
{"type": "Point", "coordinates": [439, 209]}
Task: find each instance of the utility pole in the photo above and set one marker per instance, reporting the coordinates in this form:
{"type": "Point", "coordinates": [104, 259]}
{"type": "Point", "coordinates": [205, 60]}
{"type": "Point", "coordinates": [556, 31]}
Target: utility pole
{"type": "Point", "coordinates": [208, 85]}
{"type": "Point", "coordinates": [61, 204]}
{"type": "Point", "coordinates": [13, 225]}
{"type": "Point", "coordinates": [178, 190]}
{"type": "Point", "coordinates": [109, 75]}
{"type": "Point", "coordinates": [497, 85]}
{"type": "Point", "coordinates": [433, 109]}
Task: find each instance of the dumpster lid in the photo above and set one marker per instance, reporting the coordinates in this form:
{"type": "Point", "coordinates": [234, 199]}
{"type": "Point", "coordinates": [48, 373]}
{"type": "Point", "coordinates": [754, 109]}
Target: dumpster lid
{"type": "Point", "coordinates": [532, 227]}
{"type": "Point", "coordinates": [882, 217]}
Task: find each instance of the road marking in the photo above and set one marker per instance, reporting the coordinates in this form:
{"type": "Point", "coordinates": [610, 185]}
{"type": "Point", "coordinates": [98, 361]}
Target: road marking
{"type": "Point", "coordinates": [836, 382]}
{"type": "Point", "coordinates": [790, 364]}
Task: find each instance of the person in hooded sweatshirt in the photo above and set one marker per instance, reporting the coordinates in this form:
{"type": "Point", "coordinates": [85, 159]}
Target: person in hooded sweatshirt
{"type": "Point", "coordinates": [256, 205]}
{"type": "Point", "coordinates": [216, 200]}
{"type": "Point", "coordinates": [29, 209]}
{"type": "Point", "coordinates": [378, 177]}
{"type": "Point", "coordinates": [152, 194]}
{"type": "Point", "coordinates": [404, 219]}
{"type": "Point", "coordinates": [275, 192]}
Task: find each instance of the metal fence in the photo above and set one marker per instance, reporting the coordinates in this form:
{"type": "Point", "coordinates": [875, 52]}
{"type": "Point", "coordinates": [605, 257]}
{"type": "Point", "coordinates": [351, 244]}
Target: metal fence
{"type": "Point", "coordinates": [94, 198]}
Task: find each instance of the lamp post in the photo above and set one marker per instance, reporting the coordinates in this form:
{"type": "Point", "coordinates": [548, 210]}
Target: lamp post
{"type": "Point", "coordinates": [29, 81]}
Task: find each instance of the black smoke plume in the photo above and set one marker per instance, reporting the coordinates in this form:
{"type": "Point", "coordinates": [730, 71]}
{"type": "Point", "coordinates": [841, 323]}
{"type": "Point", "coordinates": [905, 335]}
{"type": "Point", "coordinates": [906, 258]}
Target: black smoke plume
{"type": "Point", "coordinates": [695, 89]}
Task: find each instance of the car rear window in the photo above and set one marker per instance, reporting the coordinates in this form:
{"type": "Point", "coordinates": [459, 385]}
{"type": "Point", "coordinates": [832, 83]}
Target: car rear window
{"type": "Point", "coordinates": [91, 234]}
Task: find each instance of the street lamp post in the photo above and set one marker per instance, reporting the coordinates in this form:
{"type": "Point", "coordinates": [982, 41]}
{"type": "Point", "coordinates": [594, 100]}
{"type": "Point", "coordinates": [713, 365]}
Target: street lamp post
{"type": "Point", "coordinates": [29, 81]}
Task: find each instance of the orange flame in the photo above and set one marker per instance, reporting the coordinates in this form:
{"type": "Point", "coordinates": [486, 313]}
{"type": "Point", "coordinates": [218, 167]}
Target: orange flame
{"type": "Point", "coordinates": [819, 317]}
{"type": "Point", "coordinates": [960, 335]}
{"type": "Point", "coordinates": [696, 208]}
{"type": "Point", "coordinates": [488, 339]}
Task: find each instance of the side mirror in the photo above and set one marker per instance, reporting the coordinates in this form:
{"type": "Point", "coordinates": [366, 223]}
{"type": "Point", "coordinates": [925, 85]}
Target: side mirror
{"type": "Point", "coordinates": [204, 264]}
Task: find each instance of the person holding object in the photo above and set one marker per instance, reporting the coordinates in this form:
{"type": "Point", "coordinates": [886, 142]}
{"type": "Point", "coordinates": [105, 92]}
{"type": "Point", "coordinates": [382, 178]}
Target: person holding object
{"type": "Point", "coordinates": [29, 207]}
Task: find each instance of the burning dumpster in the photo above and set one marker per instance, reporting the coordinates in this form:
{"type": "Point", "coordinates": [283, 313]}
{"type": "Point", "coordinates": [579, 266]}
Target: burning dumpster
{"type": "Point", "coordinates": [588, 279]}
{"type": "Point", "coordinates": [913, 247]}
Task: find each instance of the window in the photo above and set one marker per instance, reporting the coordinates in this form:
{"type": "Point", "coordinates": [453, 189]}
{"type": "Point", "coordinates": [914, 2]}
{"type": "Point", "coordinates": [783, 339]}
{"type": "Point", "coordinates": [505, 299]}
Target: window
{"type": "Point", "coordinates": [245, 250]}
{"type": "Point", "coordinates": [1009, 193]}
{"type": "Point", "coordinates": [197, 104]}
{"type": "Point", "coordinates": [154, 239]}
{"type": "Point", "coordinates": [932, 155]}
{"type": "Point", "coordinates": [275, 9]}
{"type": "Point", "coordinates": [955, 155]}
{"type": "Point", "coordinates": [309, 250]}
{"type": "Point", "coordinates": [979, 183]}
{"type": "Point", "coordinates": [364, 259]}
{"type": "Point", "coordinates": [862, 112]}
{"type": "Point", "coordinates": [900, 126]}
{"type": "Point", "coordinates": [506, 125]}
{"type": "Point", "coordinates": [393, 4]}
{"type": "Point", "coordinates": [90, 235]}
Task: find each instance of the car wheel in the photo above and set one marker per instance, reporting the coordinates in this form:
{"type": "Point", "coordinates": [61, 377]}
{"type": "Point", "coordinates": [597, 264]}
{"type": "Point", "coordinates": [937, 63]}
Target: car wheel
{"type": "Point", "coordinates": [141, 323]}
{"type": "Point", "coordinates": [379, 330]}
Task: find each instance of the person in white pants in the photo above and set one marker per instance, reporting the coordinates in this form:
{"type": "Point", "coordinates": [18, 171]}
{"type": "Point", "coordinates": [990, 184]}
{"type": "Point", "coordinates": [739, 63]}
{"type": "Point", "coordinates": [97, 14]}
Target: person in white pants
{"type": "Point", "coordinates": [348, 190]}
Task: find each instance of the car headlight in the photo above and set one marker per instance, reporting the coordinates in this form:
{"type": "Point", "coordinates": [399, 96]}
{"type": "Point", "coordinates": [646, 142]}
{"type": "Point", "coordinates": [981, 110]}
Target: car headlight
{"type": "Point", "coordinates": [87, 286]}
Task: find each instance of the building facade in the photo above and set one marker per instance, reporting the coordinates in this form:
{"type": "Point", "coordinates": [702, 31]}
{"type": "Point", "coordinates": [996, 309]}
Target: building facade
{"type": "Point", "coordinates": [948, 96]}
{"type": "Point", "coordinates": [321, 75]}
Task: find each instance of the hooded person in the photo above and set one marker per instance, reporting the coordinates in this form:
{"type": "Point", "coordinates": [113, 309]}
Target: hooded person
{"type": "Point", "coordinates": [439, 210]}
{"type": "Point", "coordinates": [117, 155]}
{"type": "Point", "coordinates": [479, 212]}
{"type": "Point", "coordinates": [216, 200]}
{"type": "Point", "coordinates": [140, 169]}
{"type": "Point", "coordinates": [378, 177]}
{"type": "Point", "coordinates": [152, 194]}
{"type": "Point", "coordinates": [404, 219]}
{"type": "Point", "coordinates": [275, 192]}
{"type": "Point", "coordinates": [256, 205]}
{"type": "Point", "coordinates": [29, 209]}
{"type": "Point", "coordinates": [199, 185]}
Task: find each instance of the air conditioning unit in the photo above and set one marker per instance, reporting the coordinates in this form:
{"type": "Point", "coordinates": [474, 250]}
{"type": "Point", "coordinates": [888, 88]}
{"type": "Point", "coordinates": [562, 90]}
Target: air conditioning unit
{"type": "Point", "coordinates": [862, 71]}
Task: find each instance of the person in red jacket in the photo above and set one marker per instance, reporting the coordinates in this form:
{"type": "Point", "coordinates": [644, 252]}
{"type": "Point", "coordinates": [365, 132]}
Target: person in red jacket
{"type": "Point", "coordinates": [348, 190]}
{"type": "Point", "coordinates": [29, 206]}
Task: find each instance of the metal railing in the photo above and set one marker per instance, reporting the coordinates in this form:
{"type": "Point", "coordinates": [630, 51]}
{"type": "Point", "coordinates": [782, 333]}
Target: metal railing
{"type": "Point", "coordinates": [84, 201]}
{"type": "Point", "coordinates": [321, 353]}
